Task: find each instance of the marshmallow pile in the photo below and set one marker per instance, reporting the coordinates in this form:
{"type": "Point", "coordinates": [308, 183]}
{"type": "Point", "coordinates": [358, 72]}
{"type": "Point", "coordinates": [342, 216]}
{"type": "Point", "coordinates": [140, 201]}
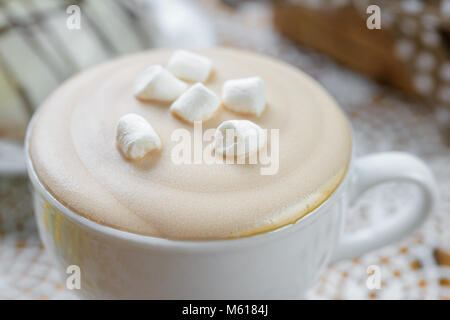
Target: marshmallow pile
{"type": "Point", "coordinates": [136, 137]}
{"type": "Point", "coordinates": [160, 84]}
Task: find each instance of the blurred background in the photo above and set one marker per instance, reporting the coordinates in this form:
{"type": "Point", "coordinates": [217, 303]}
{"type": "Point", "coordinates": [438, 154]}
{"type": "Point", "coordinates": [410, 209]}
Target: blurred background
{"type": "Point", "coordinates": [393, 83]}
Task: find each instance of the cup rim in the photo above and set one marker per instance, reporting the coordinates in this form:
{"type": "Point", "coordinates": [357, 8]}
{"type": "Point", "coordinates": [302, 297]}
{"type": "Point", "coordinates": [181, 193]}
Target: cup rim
{"type": "Point", "coordinates": [177, 244]}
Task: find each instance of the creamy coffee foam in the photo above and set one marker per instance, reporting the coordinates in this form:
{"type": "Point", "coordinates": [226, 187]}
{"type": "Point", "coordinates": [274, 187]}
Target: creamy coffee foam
{"type": "Point", "coordinates": [74, 152]}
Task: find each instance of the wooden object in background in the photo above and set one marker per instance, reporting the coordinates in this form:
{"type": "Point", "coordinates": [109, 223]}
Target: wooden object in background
{"type": "Point", "coordinates": [410, 52]}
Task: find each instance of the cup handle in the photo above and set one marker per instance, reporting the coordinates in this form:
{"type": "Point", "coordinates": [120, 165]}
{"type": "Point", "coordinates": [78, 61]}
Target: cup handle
{"type": "Point", "coordinates": [376, 169]}
{"type": "Point", "coordinates": [12, 159]}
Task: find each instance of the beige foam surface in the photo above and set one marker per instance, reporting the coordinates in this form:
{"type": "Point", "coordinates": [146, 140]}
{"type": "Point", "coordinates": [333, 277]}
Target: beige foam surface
{"type": "Point", "coordinates": [74, 153]}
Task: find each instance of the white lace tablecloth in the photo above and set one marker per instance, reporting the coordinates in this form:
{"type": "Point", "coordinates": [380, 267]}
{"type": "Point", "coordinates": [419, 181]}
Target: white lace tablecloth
{"type": "Point", "coordinates": [417, 267]}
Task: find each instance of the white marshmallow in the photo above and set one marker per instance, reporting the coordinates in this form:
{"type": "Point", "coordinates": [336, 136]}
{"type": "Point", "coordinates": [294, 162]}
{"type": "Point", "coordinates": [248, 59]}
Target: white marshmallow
{"type": "Point", "coordinates": [239, 137]}
{"type": "Point", "coordinates": [190, 66]}
{"type": "Point", "coordinates": [136, 137]}
{"type": "Point", "coordinates": [196, 104]}
{"type": "Point", "coordinates": [247, 95]}
{"type": "Point", "coordinates": [156, 83]}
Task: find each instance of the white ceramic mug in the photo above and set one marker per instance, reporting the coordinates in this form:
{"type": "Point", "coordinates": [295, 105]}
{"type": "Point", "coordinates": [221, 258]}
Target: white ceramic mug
{"type": "Point", "coordinates": [280, 264]}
